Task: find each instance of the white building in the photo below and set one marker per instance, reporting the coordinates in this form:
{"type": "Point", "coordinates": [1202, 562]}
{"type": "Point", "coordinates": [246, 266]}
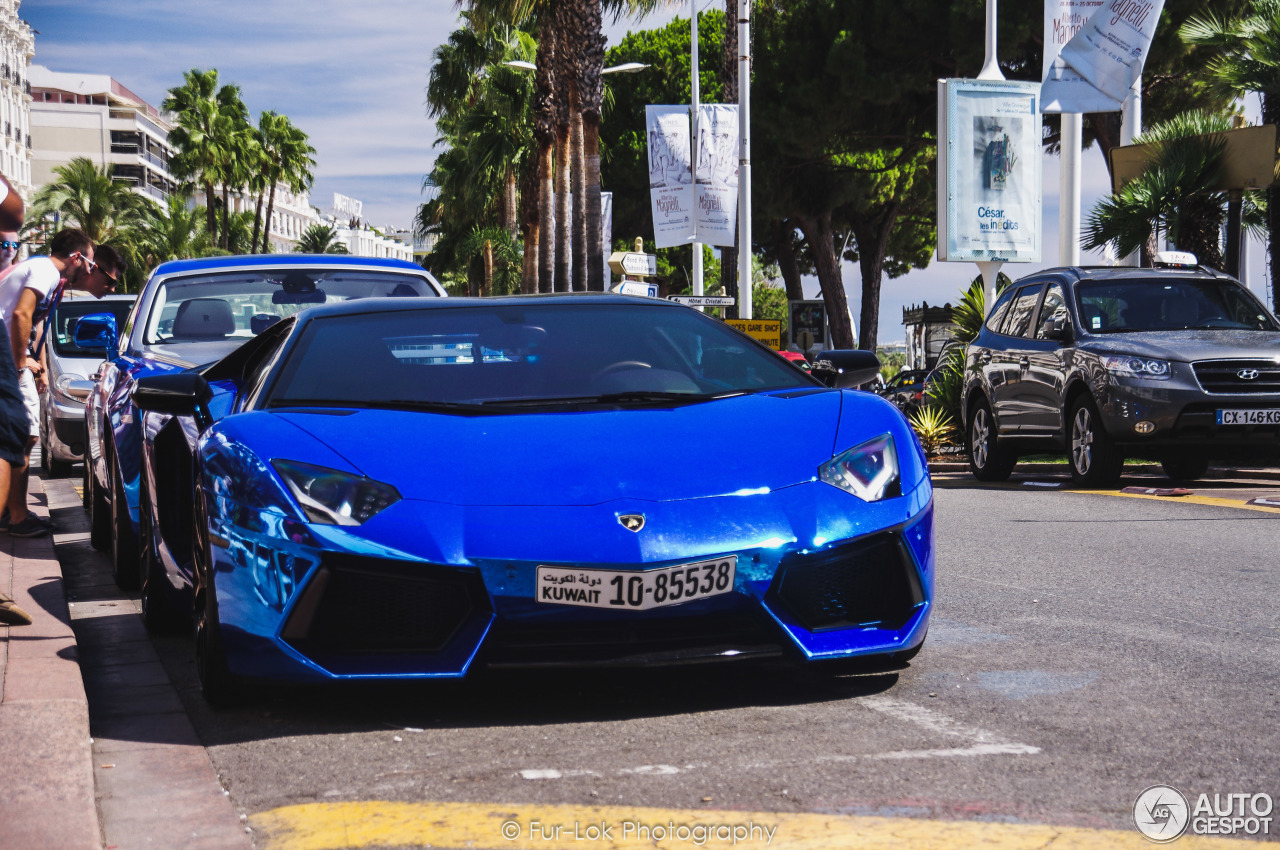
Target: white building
{"type": "Point", "coordinates": [365, 241]}
{"type": "Point", "coordinates": [94, 116]}
{"type": "Point", "coordinates": [17, 46]}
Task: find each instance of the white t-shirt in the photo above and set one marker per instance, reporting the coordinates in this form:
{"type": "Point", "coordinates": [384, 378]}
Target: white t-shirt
{"type": "Point", "coordinates": [38, 273]}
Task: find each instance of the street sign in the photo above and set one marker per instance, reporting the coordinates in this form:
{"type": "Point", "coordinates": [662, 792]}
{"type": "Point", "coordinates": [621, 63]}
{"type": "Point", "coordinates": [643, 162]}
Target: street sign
{"type": "Point", "coordinates": [703, 300]}
{"type": "Point", "coordinates": [636, 287]}
{"type": "Point", "coordinates": [768, 331]}
{"type": "Point", "coordinates": [640, 265]}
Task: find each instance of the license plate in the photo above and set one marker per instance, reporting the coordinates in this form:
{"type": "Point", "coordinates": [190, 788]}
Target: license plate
{"type": "Point", "coordinates": [1249, 417]}
{"type": "Point", "coordinates": [635, 590]}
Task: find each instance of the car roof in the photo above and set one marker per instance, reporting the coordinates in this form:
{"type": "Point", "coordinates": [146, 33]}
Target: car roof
{"type": "Point", "coordinates": [1129, 273]}
{"type": "Point", "coordinates": [282, 260]}
{"type": "Point", "coordinates": [393, 305]}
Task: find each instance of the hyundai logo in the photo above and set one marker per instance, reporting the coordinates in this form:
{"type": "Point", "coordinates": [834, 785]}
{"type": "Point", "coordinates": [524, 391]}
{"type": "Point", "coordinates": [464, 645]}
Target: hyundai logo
{"type": "Point", "coordinates": [1248, 374]}
{"type": "Point", "coordinates": [632, 522]}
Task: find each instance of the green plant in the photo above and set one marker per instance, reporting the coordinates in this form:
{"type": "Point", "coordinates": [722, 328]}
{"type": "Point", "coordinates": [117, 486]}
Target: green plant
{"type": "Point", "coordinates": [934, 428]}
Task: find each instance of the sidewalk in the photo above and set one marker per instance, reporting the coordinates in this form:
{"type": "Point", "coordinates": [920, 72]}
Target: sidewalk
{"type": "Point", "coordinates": [48, 798]}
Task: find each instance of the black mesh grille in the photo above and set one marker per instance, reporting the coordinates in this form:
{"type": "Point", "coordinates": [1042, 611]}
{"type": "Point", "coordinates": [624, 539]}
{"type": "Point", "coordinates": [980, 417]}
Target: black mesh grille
{"type": "Point", "coordinates": [1225, 376]}
{"type": "Point", "coordinates": [381, 607]}
{"type": "Point", "coordinates": [872, 583]}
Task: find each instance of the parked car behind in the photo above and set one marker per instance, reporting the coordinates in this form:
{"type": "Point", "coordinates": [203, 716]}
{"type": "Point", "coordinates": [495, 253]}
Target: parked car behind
{"type": "Point", "coordinates": [70, 375]}
{"type": "Point", "coordinates": [906, 389]}
{"type": "Point", "coordinates": [1178, 365]}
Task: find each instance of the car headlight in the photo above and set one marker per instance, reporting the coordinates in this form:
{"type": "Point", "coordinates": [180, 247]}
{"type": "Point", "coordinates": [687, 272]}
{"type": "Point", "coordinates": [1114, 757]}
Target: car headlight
{"type": "Point", "coordinates": [868, 471]}
{"type": "Point", "coordinates": [63, 383]}
{"type": "Point", "coordinates": [1128, 366]}
{"type": "Point", "coordinates": [333, 497]}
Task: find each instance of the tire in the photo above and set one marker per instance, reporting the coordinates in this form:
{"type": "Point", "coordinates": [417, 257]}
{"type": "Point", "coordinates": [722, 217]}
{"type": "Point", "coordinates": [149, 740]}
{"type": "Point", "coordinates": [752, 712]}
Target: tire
{"type": "Point", "coordinates": [159, 614]}
{"type": "Point", "coordinates": [124, 546]}
{"type": "Point", "coordinates": [1094, 457]}
{"type": "Point", "coordinates": [218, 685]}
{"type": "Point", "coordinates": [99, 514]}
{"type": "Point", "coordinates": [987, 460]}
{"type": "Point", "coordinates": [1185, 467]}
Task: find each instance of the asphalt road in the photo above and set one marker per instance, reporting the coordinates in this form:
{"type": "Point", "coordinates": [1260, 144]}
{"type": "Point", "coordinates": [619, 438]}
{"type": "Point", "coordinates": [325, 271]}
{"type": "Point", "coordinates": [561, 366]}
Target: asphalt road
{"type": "Point", "coordinates": [1084, 647]}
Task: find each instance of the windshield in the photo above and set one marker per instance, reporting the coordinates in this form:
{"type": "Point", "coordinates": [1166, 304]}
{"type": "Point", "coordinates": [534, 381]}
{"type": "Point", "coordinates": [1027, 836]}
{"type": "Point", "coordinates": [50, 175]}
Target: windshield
{"type": "Point", "coordinates": [241, 304]}
{"type": "Point", "coordinates": [535, 354]}
{"type": "Point", "coordinates": [62, 323]}
{"type": "Point", "coordinates": [1159, 304]}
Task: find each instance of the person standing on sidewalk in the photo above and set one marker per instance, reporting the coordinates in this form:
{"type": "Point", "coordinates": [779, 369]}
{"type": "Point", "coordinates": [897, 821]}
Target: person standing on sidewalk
{"type": "Point", "coordinates": [27, 293]}
{"type": "Point", "coordinates": [13, 415]}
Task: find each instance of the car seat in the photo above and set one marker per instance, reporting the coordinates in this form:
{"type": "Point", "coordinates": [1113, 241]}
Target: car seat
{"type": "Point", "coordinates": [203, 318]}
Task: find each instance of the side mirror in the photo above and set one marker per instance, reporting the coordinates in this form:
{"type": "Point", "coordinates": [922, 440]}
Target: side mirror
{"type": "Point", "coordinates": [1056, 329]}
{"type": "Point", "coordinates": [843, 369]}
{"type": "Point", "coordinates": [177, 394]}
{"type": "Point", "coordinates": [96, 332]}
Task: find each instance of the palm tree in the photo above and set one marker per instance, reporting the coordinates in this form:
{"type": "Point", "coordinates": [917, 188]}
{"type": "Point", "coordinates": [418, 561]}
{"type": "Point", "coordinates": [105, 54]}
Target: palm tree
{"type": "Point", "coordinates": [177, 233]}
{"type": "Point", "coordinates": [1176, 196]}
{"type": "Point", "coordinates": [87, 196]}
{"type": "Point", "coordinates": [319, 239]}
{"type": "Point", "coordinates": [1249, 61]}
{"type": "Point", "coordinates": [290, 160]}
{"type": "Point", "coordinates": [208, 121]}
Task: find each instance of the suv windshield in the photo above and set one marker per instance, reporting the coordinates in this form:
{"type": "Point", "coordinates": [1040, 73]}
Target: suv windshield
{"type": "Point", "coordinates": [527, 355]}
{"type": "Point", "coordinates": [241, 304]}
{"type": "Point", "coordinates": [1158, 304]}
{"type": "Point", "coordinates": [61, 324]}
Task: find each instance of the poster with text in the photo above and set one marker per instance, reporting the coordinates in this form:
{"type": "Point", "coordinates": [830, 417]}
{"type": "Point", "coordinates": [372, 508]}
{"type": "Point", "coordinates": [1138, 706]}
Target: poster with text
{"type": "Point", "coordinates": [1100, 63]}
{"type": "Point", "coordinates": [716, 219]}
{"type": "Point", "coordinates": [993, 171]}
{"type": "Point", "coordinates": [671, 192]}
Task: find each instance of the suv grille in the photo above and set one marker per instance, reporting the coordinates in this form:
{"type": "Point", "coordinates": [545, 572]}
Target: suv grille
{"type": "Point", "coordinates": [1227, 376]}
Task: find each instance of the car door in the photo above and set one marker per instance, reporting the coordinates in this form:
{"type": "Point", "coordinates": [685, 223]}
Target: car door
{"type": "Point", "coordinates": [1010, 358]}
{"type": "Point", "coordinates": [1043, 378]}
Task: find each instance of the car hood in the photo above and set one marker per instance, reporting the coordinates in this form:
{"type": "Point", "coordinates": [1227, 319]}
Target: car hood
{"type": "Point", "coordinates": [188, 354]}
{"type": "Point", "coordinates": [740, 444]}
{"type": "Point", "coordinates": [1190, 345]}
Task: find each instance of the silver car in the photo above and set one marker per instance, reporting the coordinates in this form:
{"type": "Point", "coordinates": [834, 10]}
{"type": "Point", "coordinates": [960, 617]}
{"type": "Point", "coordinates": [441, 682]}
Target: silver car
{"type": "Point", "coordinates": [70, 375]}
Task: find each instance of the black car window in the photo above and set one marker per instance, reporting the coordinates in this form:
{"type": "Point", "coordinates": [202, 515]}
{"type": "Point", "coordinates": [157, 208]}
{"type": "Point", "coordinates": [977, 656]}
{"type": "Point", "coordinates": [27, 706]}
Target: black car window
{"type": "Point", "coordinates": [1024, 307]}
{"type": "Point", "coordinates": [1000, 310]}
{"type": "Point", "coordinates": [1164, 304]}
{"type": "Point", "coordinates": [1052, 309]}
{"type": "Point", "coordinates": [62, 324]}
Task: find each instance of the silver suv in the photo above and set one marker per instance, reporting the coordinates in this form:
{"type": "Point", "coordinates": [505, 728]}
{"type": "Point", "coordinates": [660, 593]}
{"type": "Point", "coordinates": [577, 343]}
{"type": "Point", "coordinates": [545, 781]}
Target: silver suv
{"type": "Point", "coordinates": [70, 377]}
{"type": "Point", "coordinates": [1181, 366]}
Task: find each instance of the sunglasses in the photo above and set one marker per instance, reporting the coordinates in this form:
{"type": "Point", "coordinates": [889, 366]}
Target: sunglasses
{"type": "Point", "coordinates": [7, 244]}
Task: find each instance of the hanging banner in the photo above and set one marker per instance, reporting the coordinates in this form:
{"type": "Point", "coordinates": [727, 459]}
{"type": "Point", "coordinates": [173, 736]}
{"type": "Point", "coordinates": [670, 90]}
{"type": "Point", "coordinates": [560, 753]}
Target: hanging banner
{"type": "Point", "coordinates": [716, 220]}
{"type": "Point", "coordinates": [606, 233]}
{"type": "Point", "coordinates": [989, 191]}
{"type": "Point", "coordinates": [1101, 62]}
{"type": "Point", "coordinates": [1062, 20]}
{"type": "Point", "coordinates": [671, 191]}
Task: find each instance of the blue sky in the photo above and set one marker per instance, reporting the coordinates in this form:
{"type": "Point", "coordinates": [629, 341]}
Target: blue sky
{"type": "Point", "coordinates": [352, 76]}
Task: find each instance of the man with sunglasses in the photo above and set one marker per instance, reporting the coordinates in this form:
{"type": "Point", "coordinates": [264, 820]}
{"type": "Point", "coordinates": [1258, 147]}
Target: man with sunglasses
{"type": "Point", "coordinates": [27, 293]}
{"type": "Point", "coordinates": [9, 247]}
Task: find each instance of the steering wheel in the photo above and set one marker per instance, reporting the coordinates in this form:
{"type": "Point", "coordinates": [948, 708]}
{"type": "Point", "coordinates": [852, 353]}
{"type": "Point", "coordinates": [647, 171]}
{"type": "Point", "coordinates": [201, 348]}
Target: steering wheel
{"type": "Point", "coordinates": [620, 366]}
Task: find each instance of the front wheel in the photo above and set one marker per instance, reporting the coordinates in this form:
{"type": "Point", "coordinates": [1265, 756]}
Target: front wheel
{"type": "Point", "coordinates": [158, 613]}
{"type": "Point", "coordinates": [1096, 461]}
{"type": "Point", "coordinates": [988, 461]}
{"type": "Point", "coordinates": [124, 546]}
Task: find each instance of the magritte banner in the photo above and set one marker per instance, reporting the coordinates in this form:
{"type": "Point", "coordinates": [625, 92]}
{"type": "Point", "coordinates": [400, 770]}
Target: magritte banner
{"type": "Point", "coordinates": [716, 219]}
{"type": "Point", "coordinates": [671, 190]}
{"type": "Point", "coordinates": [1103, 59]}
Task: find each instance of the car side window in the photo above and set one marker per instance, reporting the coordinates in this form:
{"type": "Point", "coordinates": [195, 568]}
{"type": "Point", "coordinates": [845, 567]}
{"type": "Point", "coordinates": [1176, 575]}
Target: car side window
{"type": "Point", "coordinates": [1052, 309]}
{"type": "Point", "coordinates": [1000, 311]}
{"type": "Point", "coordinates": [1024, 307]}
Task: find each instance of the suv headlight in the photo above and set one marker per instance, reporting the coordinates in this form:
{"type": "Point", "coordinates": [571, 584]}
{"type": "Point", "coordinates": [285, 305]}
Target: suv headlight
{"type": "Point", "coordinates": [1128, 366]}
{"type": "Point", "coordinates": [868, 470]}
{"type": "Point", "coordinates": [333, 497]}
{"type": "Point", "coordinates": [63, 384]}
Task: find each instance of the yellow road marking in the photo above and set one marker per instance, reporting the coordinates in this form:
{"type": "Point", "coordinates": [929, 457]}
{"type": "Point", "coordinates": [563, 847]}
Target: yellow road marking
{"type": "Point", "coordinates": [1211, 501]}
{"type": "Point", "coordinates": [334, 826]}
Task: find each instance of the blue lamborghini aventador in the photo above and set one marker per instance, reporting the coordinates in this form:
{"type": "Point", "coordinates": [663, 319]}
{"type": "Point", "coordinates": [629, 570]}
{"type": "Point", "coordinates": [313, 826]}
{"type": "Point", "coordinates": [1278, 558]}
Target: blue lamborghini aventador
{"type": "Point", "coordinates": [412, 488]}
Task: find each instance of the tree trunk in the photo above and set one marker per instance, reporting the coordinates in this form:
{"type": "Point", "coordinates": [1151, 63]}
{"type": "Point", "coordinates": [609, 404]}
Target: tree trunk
{"type": "Point", "coordinates": [529, 227]}
{"type": "Point", "coordinates": [817, 232]}
{"type": "Point", "coordinates": [486, 286]}
{"type": "Point", "coordinates": [257, 225]}
{"type": "Point", "coordinates": [544, 131]}
{"type": "Point", "coordinates": [210, 211]}
{"type": "Point", "coordinates": [579, 224]}
{"type": "Point", "coordinates": [511, 205]}
{"type": "Point", "coordinates": [1271, 115]}
{"type": "Point", "coordinates": [546, 219]}
{"type": "Point", "coordinates": [566, 107]}
{"type": "Point", "coordinates": [873, 242]}
{"type": "Point", "coordinates": [266, 220]}
{"type": "Point", "coordinates": [594, 206]}
{"type": "Point", "coordinates": [564, 213]}
{"type": "Point", "coordinates": [226, 217]}
{"type": "Point", "coordinates": [789, 263]}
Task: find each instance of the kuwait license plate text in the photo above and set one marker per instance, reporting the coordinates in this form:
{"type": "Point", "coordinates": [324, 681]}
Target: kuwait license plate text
{"type": "Point", "coordinates": [635, 590]}
{"type": "Point", "coordinates": [1249, 417]}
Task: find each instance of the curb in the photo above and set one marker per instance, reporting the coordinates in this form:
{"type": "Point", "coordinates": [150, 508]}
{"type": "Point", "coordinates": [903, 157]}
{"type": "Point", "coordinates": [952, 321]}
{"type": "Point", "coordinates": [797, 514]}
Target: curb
{"type": "Point", "coordinates": [1214, 474]}
{"type": "Point", "coordinates": [48, 800]}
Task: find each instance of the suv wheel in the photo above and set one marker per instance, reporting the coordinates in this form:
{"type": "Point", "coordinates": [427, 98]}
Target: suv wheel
{"type": "Point", "coordinates": [1185, 467]}
{"type": "Point", "coordinates": [988, 461]}
{"type": "Point", "coordinates": [1095, 460]}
